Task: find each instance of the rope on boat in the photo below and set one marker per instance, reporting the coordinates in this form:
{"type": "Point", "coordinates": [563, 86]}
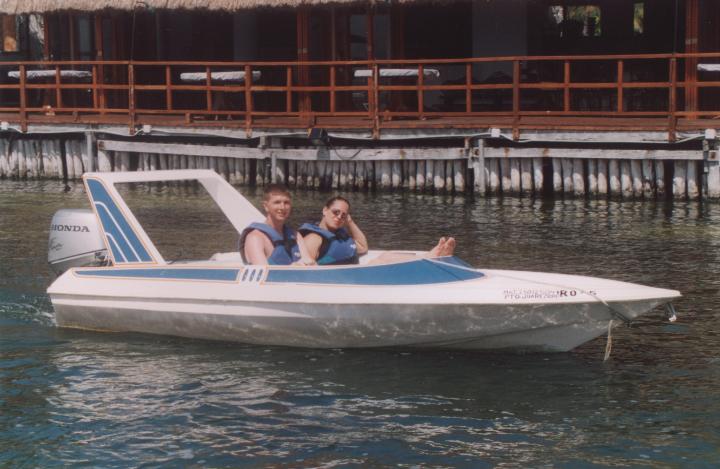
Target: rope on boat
{"type": "Point", "coordinates": [608, 344]}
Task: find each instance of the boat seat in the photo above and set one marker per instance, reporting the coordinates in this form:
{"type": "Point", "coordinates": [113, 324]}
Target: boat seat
{"type": "Point", "coordinates": [233, 257]}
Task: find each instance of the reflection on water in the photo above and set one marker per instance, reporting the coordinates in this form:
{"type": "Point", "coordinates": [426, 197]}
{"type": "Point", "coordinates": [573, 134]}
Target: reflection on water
{"type": "Point", "coordinates": [78, 398]}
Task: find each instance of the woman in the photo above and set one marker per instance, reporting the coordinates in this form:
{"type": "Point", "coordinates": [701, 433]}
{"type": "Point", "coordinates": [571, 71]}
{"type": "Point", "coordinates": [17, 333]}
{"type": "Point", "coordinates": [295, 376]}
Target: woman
{"type": "Point", "coordinates": [338, 240]}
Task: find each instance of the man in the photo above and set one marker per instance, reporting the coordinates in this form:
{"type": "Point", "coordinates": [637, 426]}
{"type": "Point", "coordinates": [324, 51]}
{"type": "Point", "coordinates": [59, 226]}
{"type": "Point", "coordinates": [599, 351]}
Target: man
{"type": "Point", "coordinates": [273, 242]}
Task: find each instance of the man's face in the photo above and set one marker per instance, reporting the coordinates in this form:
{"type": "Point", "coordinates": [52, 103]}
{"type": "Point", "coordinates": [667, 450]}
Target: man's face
{"type": "Point", "coordinates": [278, 207]}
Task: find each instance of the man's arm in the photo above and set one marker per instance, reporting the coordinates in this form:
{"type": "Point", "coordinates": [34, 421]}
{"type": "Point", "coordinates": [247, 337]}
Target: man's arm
{"type": "Point", "coordinates": [255, 248]}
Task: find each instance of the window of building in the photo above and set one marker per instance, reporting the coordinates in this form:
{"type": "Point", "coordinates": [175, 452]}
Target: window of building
{"type": "Point", "coordinates": [639, 19]}
{"type": "Point", "coordinates": [571, 21]}
{"type": "Point", "coordinates": [8, 24]}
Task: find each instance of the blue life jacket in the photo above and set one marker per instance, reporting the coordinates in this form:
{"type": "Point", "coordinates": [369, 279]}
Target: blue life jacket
{"type": "Point", "coordinates": [285, 248]}
{"type": "Point", "coordinates": [336, 248]}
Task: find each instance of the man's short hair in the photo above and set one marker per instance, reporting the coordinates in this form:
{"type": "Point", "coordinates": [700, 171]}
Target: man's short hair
{"type": "Point", "coordinates": [280, 189]}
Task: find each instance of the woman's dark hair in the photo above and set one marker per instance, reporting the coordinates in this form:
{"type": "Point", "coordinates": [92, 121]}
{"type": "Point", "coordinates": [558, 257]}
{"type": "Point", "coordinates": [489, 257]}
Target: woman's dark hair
{"type": "Point", "coordinates": [334, 199]}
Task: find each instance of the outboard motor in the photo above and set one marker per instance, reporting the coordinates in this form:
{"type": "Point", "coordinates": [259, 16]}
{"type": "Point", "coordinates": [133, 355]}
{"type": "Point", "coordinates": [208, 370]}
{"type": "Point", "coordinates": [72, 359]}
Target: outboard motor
{"type": "Point", "coordinates": [75, 241]}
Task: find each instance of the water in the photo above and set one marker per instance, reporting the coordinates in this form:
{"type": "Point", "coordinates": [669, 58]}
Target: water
{"type": "Point", "coordinates": [73, 398]}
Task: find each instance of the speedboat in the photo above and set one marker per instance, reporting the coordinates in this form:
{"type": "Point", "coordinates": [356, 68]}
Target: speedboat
{"type": "Point", "coordinates": [112, 278]}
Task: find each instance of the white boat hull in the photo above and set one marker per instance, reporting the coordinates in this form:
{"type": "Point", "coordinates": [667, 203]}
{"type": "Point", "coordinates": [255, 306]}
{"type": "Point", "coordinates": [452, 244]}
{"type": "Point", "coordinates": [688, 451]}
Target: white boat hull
{"type": "Point", "coordinates": [431, 317]}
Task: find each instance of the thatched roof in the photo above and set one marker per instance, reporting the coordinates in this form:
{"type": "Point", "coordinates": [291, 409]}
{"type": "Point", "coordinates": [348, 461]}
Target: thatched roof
{"type": "Point", "coordinates": [40, 6]}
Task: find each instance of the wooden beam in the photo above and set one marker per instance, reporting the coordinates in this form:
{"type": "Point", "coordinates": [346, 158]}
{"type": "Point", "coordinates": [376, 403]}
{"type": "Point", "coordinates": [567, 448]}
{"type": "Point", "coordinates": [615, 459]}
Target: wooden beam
{"type": "Point", "coordinates": [46, 33]}
{"type": "Point", "coordinates": [99, 75]}
{"type": "Point", "coordinates": [691, 47]}
{"type": "Point", "coordinates": [592, 153]}
{"type": "Point", "coordinates": [301, 154]}
{"type": "Point", "coordinates": [389, 154]}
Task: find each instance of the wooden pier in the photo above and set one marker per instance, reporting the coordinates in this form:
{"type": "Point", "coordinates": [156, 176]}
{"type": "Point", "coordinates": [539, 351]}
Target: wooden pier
{"type": "Point", "coordinates": [482, 166]}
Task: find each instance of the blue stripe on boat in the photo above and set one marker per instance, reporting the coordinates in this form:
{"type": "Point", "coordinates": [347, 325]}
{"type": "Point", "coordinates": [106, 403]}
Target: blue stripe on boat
{"type": "Point", "coordinates": [127, 247]}
{"type": "Point", "coordinates": [454, 261]}
{"type": "Point", "coordinates": [226, 275]}
{"type": "Point", "coordinates": [420, 272]}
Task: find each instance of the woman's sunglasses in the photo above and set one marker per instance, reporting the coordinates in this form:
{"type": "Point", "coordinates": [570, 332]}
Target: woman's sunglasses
{"type": "Point", "coordinates": [339, 213]}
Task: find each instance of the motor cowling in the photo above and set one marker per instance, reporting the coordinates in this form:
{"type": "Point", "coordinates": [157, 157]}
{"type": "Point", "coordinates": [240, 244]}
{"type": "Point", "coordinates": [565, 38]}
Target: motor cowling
{"type": "Point", "coordinates": [75, 241]}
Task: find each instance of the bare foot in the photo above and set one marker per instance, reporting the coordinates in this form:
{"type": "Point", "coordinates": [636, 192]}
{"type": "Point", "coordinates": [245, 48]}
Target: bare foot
{"type": "Point", "coordinates": [448, 248]}
{"type": "Point", "coordinates": [444, 247]}
{"type": "Point", "coordinates": [437, 250]}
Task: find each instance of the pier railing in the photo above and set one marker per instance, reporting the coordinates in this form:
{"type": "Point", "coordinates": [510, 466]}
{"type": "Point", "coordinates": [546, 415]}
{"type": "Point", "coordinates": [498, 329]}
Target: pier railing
{"type": "Point", "coordinates": [649, 91]}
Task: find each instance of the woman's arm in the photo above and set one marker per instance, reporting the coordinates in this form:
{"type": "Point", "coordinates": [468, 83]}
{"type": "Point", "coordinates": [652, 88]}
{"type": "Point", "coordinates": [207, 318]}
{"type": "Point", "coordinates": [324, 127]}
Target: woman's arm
{"type": "Point", "coordinates": [357, 235]}
{"type": "Point", "coordinates": [306, 255]}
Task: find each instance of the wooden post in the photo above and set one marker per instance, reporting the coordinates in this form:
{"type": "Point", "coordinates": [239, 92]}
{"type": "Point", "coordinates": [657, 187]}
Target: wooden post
{"type": "Point", "coordinates": [713, 178]}
{"type": "Point", "coordinates": [48, 166]}
{"type": "Point", "coordinates": [131, 97]}
{"type": "Point", "coordinates": [439, 175]}
{"type": "Point", "coordinates": [578, 176]}
{"type": "Point", "coordinates": [21, 162]}
{"type": "Point", "coordinates": [526, 176]}
{"type": "Point", "coordinates": [73, 158]}
{"type": "Point", "coordinates": [620, 79]}
{"type": "Point", "coordinates": [90, 151]}
{"type": "Point", "coordinates": [505, 180]}
{"type": "Point", "coordinates": [566, 86]}
{"type": "Point", "coordinates": [248, 100]}
{"type": "Point", "coordinates": [449, 180]}
{"type": "Point", "coordinates": [99, 75]}
{"type": "Point", "coordinates": [557, 175]}
{"type": "Point", "coordinates": [370, 174]}
{"type": "Point", "coordinates": [691, 47]}
{"type": "Point", "coordinates": [567, 175]}
{"type": "Point", "coordinates": [693, 190]}
{"type": "Point", "coordinates": [350, 183]}
{"type": "Point", "coordinates": [538, 182]}
{"type": "Point", "coordinates": [614, 177]}
{"type": "Point", "coordinates": [636, 175]}
{"type": "Point", "coordinates": [291, 175]}
{"type": "Point", "coordinates": [494, 172]}
{"type": "Point", "coordinates": [626, 179]}
{"type": "Point", "coordinates": [420, 175]}
{"type": "Point", "coordinates": [13, 160]}
{"type": "Point", "coordinates": [516, 98]}
{"type": "Point", "coordinates": [301, 174]}
{"type": "Point", "coordinates": [429, 175]}
{"type": "Point", "coordinates": [396, 174]}
{"type": "Point", "coordinates": [411, 174]}
{"type": "Point", "coordinates": [602, 177]}
{"type": "Point", "coordinates": [648, 178]}
{"type": "Point", "coordinates": [459, 176]}
{"type": "Point", "coordinates": [421, 92]}
{"type": "Point", "coordinates": [659, 178]}
{"type": "Point", "coordinates": [3, 158]}
{"type": "Point", "coordinates": [385, 175]}
{"type": "Point", "coordinates": [478, 164]}
{"type": "Point", "coordinates": [680, 180]}
{"type": "Point", "coordinates": [592, 177]}
{"type": "Point", "coordinates": [23, 99]}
